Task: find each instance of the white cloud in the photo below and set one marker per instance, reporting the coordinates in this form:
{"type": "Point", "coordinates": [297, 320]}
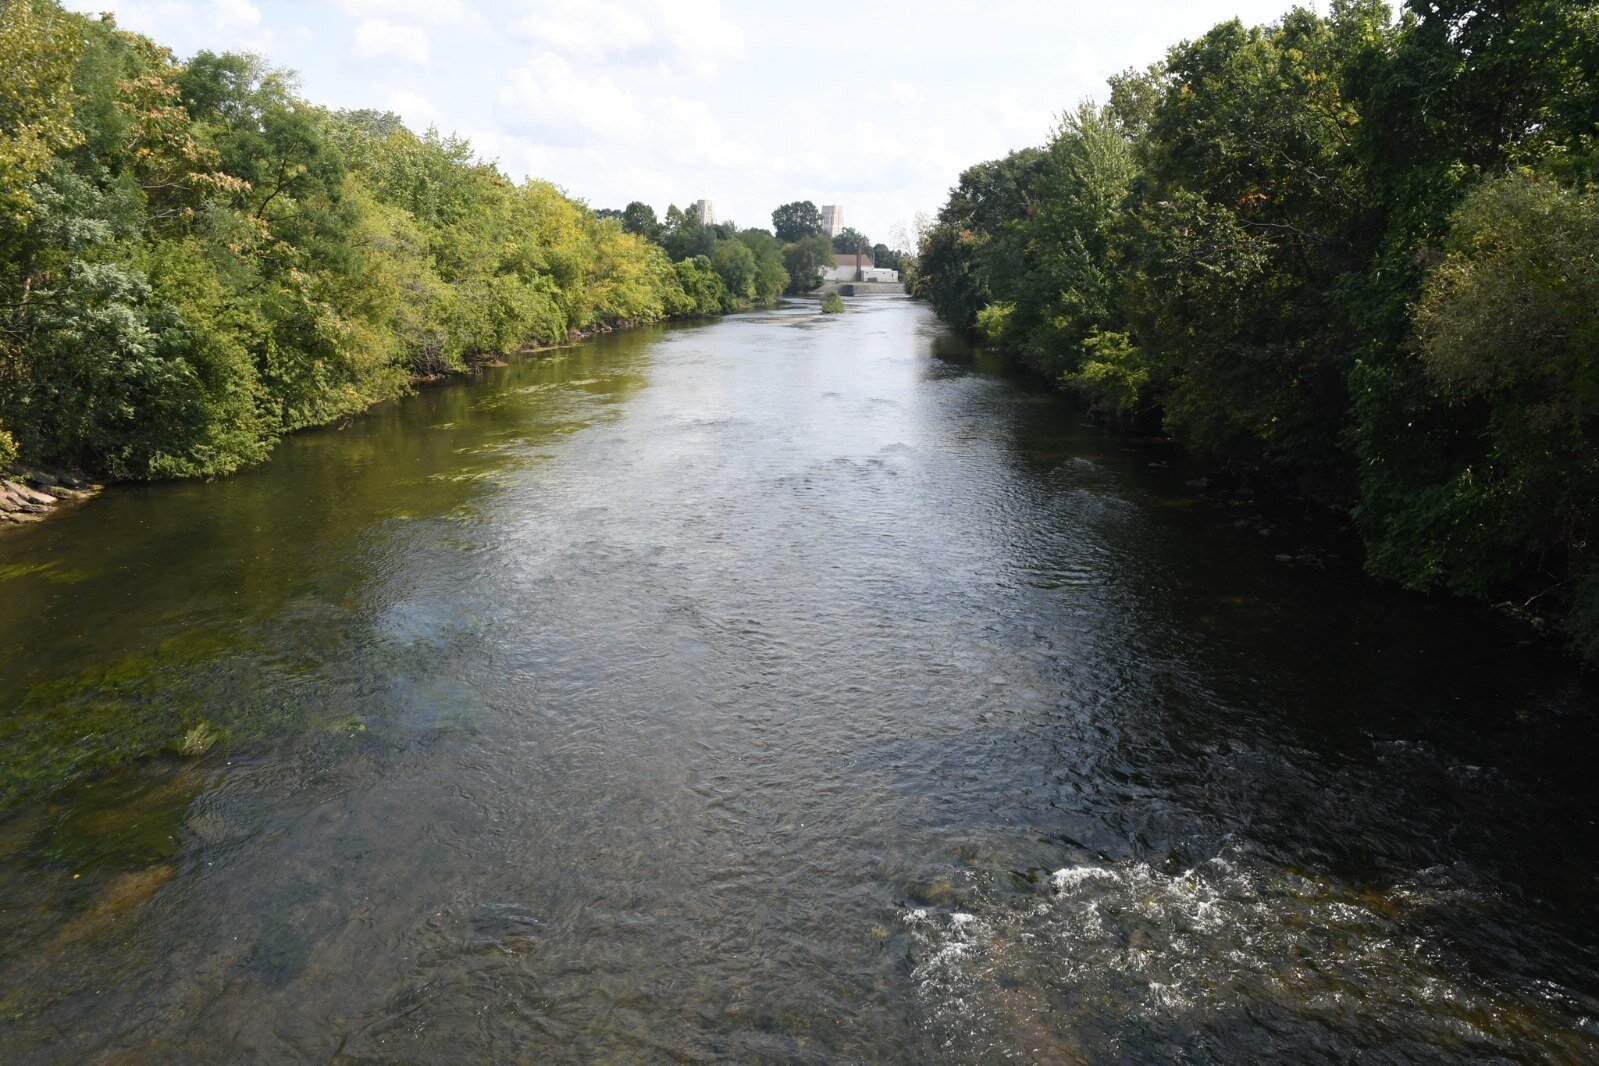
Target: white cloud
{"type": "Point", "coordinates": [235, 13]}
{"type": "Point", "coordinates": [551, 104]}
{"type": "Point", "coordinates": [187, 26]}
{"type": "Point", "coordinates": [418, 111]}
{"type": "Point", "coordinates": [381, 39]}
{"type": "Point", "coordinates": [588, 31]}
{"type": "Point", "coordinates": [679, 36]}
{"type": "Point", "coordinates": [903, 92]}
{"type": "Point", "coordinates": [549, 101]}
{"type": "Point", "coordinates": [698, 34]}
{"type": "Point", "coordinates": [432, 11]}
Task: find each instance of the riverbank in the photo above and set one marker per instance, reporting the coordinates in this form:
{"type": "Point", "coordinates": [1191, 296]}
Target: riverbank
{"type": "Point", "coordinates": [788, 688]}
{"type": "Point", "coordinates": [1356, 309]}
{"type": "Point", "coordinates": [1296, 528]}
{"type": "Point", "coordinates": [31, 493]}
{"type": "Point", "coordinates": [28, 493]}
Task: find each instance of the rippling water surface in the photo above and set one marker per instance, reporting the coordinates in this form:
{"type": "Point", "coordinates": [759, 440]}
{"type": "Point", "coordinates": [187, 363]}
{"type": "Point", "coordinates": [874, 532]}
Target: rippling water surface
{"type": "Point", "coordinates": [788, 689]}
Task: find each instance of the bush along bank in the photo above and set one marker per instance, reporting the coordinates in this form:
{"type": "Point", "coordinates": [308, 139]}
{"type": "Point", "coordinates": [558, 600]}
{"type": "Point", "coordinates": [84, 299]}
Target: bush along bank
{"type": "Point", "coordinates": [195, 261]}
{"type": "Point", "coordinates": [1354, 256]}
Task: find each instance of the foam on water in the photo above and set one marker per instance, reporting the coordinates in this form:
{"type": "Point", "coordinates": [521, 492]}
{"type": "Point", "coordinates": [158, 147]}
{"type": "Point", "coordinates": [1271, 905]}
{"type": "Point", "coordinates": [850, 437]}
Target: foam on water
{"type": "Point", "coordinates": [1187, 963]}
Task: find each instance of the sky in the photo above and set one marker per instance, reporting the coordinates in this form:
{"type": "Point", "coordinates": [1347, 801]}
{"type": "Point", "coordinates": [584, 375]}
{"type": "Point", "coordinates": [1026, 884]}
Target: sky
{"type": "Point", "coordinates": [876, 106]}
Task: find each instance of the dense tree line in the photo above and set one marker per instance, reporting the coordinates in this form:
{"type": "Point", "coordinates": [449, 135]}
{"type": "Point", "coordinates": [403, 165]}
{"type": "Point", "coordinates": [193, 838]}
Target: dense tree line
{"type": "Point", "coordinates": [194, 260]}
{"type": "Point", "coordinates": [790, 257]}
{"type": "Point", "coordinates": [730, 267]}
{"type": "Point", "coordinates": [1356, 254]}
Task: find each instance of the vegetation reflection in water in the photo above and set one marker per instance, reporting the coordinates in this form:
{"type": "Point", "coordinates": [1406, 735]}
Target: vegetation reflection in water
{"type": "Point", "coordinates": [175, 669]}
{"type": "Point", "coordinates": [783, 689]}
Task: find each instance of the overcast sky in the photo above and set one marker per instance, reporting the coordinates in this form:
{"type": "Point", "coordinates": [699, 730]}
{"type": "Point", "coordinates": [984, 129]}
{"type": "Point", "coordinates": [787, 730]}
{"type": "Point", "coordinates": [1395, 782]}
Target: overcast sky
{"type": "Point", "coordinates": [877, 106]}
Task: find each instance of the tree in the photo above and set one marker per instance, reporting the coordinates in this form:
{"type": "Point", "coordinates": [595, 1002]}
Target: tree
{"type": "Point", "coordinates": [795, 221]}
{"type": "Point", "coordinates": [40, 47]}
{"type": "Point", "coordinates": [955, 252]}
{"type": "Point", "coordinates": [1508, 333]}
{"type": "Point", "coordinates": [640, 218]}
{"type": "Point", "coordinates": [706, 295]}
{"type": "Point", "coordinates": [848, 241]}
{"type": "Point", "coordinates": [1348, 254]}
{"type": "Point", "coordinates": [1463, 90]}
{"type": "Point", "coordinates": [735, 265]}
{"type": "Point", "coordinates": [1053, 266]}
{"type": "Point", "coordinates": [805, 259]}
{"type": "Point", "coordinates": [207, 261]}
{"type": "Point", "coordinates": [1247, 157]}
{"type": "Point", "coordinates": [771, 276]}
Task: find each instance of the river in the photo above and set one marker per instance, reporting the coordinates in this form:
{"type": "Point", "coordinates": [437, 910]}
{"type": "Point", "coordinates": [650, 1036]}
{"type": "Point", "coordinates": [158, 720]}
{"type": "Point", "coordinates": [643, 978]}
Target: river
{"type": "Point", "coordinates": [790, 688]}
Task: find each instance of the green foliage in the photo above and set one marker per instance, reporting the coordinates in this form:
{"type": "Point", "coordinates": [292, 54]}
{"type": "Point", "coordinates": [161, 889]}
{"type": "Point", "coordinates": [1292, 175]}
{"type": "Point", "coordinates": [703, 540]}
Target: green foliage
{"type": "Point", "coordinates": [1113, 376]}
{"type": "Point", "coordinates": [1021, 253]}
{"type": "Point", "coordinates": [961, 255]}
{"type": "Point", "coordinates": [994, 322]}
{"type": "Point", "coordinates": [771, 276]}
{"type": "Point", "coordinates": [805, 259]}
{"type": "Point", "coordinates": [735, 265]}
{"type": "Point", "coordinates": [832, 303]}
{"type": "Point", "coordinates": [639, 219]}
{"type": "Point", "coordinates": [847, 240]}
{"type": "Point", "coordinates": [703, 290]}
{"type": "Point", "coordinates": [685, 236]}
{"type": "Point", "coordinates": [888, 258]}
{"type": "Point", "coordinates": [1583, 622]}
{"type": "Point", "coordinates": [793, 222]}
{"type": "Point", "coordinates": [1351, 254]}
{"type": "Point", "coordinates": [41, 47]}
{"type": "Point", "coordinates": [196, 261]}
{"type": "Point", "coordinates": [1507, 334]}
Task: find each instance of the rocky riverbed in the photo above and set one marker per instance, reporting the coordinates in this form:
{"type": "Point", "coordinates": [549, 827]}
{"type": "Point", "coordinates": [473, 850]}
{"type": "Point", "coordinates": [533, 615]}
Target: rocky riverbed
{"type": "Point", "coordinates": [28, 493]}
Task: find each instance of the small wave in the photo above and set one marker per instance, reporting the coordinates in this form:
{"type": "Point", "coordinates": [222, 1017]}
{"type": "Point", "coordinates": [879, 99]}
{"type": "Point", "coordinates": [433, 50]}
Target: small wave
{"type": "Point", "coordinates": [1177, 961]}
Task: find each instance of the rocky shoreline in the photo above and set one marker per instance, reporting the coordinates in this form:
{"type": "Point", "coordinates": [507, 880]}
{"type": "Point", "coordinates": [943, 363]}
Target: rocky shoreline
{"type": "Point", "coordinates": [29, 493]}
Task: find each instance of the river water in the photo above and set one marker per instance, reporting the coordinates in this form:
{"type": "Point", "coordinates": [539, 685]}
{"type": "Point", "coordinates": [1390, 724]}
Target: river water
{"type": "Point", "coordinates": [792, 688]}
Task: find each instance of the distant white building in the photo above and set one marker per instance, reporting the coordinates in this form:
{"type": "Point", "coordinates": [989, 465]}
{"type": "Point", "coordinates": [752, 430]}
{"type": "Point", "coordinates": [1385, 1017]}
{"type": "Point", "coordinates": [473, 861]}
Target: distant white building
{"type": "Point", "coordinates": [857, 267]}
{"type": "Point", "coordinates": [832, 220]}
{"type": "Point", "coordinates": [849, 267]}
{"type": "Point", "coordinates": [706, 210]}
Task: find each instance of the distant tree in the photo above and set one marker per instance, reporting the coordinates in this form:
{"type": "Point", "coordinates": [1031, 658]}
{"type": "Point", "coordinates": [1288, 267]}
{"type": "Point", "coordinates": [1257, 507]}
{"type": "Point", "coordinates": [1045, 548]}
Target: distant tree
{"type": "Point", "coordinates": [805, 260]}
{"type": "Point", "coordinates": [887, 258]}
{"type": "Point", "coordinates": [849, 240]}
{"type": "Point", "coordinates": [606, 213]}
{"type": "Point", "coordinates": [735, 264]}
{"type": "Point", "coordinates": [771, 277]}
{"type": "Point", "coordinates": [685, 237]}
{"type": "Point", "coordinates": [369, 120]}
{"type": "Point", "coordinates": [796, 221]}
{"type": "Point", "coordinates": [640, 218]}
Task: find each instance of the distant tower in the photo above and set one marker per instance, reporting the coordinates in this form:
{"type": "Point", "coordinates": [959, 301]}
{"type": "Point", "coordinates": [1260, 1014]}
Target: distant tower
{"type": "Point", "coordinates": [833, 219]}
{"type": "Point", "coordinates": [706, 210]}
